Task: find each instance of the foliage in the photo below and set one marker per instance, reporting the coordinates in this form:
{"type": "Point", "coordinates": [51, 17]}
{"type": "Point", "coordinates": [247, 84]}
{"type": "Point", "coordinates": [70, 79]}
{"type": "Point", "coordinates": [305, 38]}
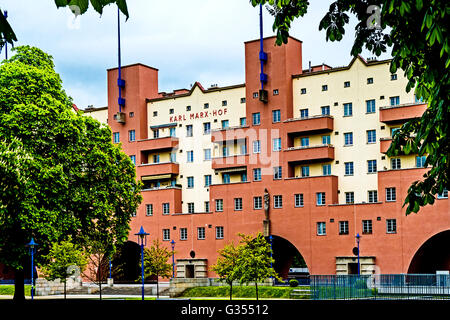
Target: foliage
{"type": "Point", "coordinates": [293, 283]}
{"type": "Point", "coordinates": [417, 32]}
{"type": "Point", "coordinates": [267, 292]}
{"type": "Point", "coordinates": [98, 253]}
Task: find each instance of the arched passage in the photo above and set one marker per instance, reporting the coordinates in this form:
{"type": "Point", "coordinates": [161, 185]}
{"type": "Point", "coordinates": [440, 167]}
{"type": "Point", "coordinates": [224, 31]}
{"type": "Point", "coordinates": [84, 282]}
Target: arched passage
{"type": "Point", "coordinates": [125, 263]}
{"type": "Point", "coordinates": [286, 256]}
{"type": "Point", "coordinates": [433, 255]}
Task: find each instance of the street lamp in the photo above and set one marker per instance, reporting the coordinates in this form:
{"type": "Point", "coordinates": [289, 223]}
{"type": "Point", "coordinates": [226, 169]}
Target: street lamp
{"type": "Point", "coordinates": [142, 241]}
{"type": "Point", "coordinates": [358, 237]}
{"type": "Point", "coordinates": [31, 245]}
{"type": "Point", "coordinates": [173, 258]}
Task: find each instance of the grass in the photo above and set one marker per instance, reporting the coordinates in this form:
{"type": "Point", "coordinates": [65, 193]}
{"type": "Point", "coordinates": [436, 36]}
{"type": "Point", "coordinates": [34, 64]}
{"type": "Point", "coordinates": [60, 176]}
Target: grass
{"type": "Point", "coordinates": [264, 292]}
{"type": "Point", "coordinates": [8, 290]}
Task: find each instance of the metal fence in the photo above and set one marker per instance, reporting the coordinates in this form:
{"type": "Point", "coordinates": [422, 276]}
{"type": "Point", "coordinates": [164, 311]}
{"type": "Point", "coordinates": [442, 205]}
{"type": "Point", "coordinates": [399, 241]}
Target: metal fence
{"type": "Point", "coordinates": [380, 286]}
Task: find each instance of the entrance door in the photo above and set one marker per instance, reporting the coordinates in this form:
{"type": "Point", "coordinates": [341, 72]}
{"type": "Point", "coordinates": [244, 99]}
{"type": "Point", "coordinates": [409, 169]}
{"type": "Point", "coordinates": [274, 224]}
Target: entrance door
{"type": "Point", "coordinates": [190, 271]}
{"type": "Point", "coordinates": [352, 268]}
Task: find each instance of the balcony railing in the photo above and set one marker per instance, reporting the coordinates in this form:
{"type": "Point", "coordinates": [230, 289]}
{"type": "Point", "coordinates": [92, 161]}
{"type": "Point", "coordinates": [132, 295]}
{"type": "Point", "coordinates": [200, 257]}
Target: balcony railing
{"type": "Point", "coordinates": [234, 161]}
{"type": "Point", "coordinates": [308, 125]}
{"type": "Point", "coordinates": [164, 143]}
{"type": "Point", "coordinates": [402, 112]}
{"type": "Point", "coordinates": [156, 169]}
{"type": "Point", "coordinates": [309, 154]}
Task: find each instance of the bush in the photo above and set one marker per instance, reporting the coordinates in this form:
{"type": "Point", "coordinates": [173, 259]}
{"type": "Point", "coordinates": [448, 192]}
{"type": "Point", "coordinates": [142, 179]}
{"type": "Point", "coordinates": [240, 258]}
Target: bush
{"type": "Point", "coordinates": [293, 283]}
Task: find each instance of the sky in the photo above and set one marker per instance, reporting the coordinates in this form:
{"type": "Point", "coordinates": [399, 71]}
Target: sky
{"type": "Point", "coordinates": [188, 41]}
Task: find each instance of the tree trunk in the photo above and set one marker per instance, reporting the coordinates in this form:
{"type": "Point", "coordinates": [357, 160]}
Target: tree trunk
{"type": "Point", "coordinates": [65, 289]}
{"type": "Point", "coordinates": [256, 285]}
{"type": "Point", "coordinates": [19, 285]}
{"type": "Point", "coordinates": [157, 287]}
{"type": "Point", "coordinates": [231, 291]}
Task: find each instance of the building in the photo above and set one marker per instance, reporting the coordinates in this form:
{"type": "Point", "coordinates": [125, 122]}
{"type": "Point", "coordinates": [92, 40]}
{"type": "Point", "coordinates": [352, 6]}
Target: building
{"type": "Point", "coordinates": [313, 143]}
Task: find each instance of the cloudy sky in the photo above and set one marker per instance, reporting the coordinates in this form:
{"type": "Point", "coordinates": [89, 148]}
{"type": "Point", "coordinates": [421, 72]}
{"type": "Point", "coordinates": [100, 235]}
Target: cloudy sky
{"type": "Point", "coordinates": [188, 41]}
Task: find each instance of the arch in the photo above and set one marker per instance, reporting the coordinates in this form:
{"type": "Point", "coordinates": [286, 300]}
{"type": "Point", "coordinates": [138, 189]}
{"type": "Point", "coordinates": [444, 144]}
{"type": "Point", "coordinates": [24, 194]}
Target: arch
{"type": "Point", "coordinates": [433, 255]}
{"type": "Point", "coordinates": [286, 256]}
{"type": "Point", "coordinates": [125, 263]}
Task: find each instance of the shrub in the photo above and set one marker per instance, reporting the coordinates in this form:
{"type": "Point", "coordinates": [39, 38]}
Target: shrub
{"type": "Point", "coordinates": [293, 283]}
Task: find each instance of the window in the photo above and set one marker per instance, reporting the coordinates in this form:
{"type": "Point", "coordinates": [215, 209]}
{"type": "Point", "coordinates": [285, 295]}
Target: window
{"type": "Point", "coordinates": [116, 137]}
{"type": "Point", "coordinates": [183, 233]}
{"type": "Point", "coordinates": [201, 234]}
{"type": "Point", "coordinates": [243, 149]}
{"type": "Point", "coordinates": [190, 156]}
{"type": "Point", "coordinates": [131, 135]}
{"type": "Point", "coordinates": [255, 95]}
{"type": "Point", "coordinates": [133, 214]}
{"type": "Point", "coordinates": [276, 116]}
{"type": "Point", "coordinates": [416, 99]}
{"type": "Point", "coordinates": [349, 197]}
{"type": "Point", "coordinates": [188, 108]}
{"type": "Point", "coordinates": [443, 194]}
{"type": "Point", "coordinates": [207, 128]}
{"type": "Point", "coordinates": [149, 209]}
{"type": "Point", "coordinates": [367, 226]}
{"type": "Point", "coordinates": [155, 134]}
{"type": "Point", "coordinates": [394, 76]}
{"type": "Point", "coordinates": [348, 109]}
{"type": "Point", "coordinates": [207, 180]}
{"type": "Point", "coordinates": [348, 139]}
{"type": "Point", "coordinates": [369, 80]}
{"type": "Point", "coordinates": [390, 194]}
{"type": "Point", "coordinates": [237, 204]}
{"type": "Point", "coordinates": [173, 131]}
{"type": "Point", "coordinates": [325, 110]}
{"type": "Point", "coordinates": [190, 182]}
{"type": "Point", "coordinates": [278, 201]}
{"type": "Point", "coordinates": [321, 229]}
{"type": "Point", "coordinates": [191, 207]}
{"type": "Point", "coordinates": [298, 200]}
{"type": "Point", "coordinates": [373, 196]}
{"type": "Point", "coordinates": [156, 158]}
{"type": "Point", "coordinates": [256, 146]}
{"type": "Point", "coordinates": [219, 232]}
{"type": "Point", "coordinates": [303, 90]}
{"type": "Point", "coordinates": [393, 131]}
{"type": "Point", "coordinates": [256, 118]}
{"type": "Point", "coordinates": [155, 113]}
{"type": "Point", "coordinates": [207, 154]}
{"type": "Point", "coordinates": [242, 100]}
{"type": "Point", "coordinates": [257, 174]}
{"type": "Point", "coordinates": [396, 163]}
{"type": "Point", "coordinates": [275, 92]}
{"type": "Point", "coordinates": [276, 143]}
{"type": "Point", "coordinates": [343, 227]}
{"type": "Point", "coordinates": [166, 234]}
{"type": "Point", "coordinates": [304, 113]}
{"type": "Point", "coordinates": [207, 209]}
{"type": "Point", "coordinates": [257, 203]}
{"type": "Point", "coordinates": [304, 142]}
{"type": "Point", "coordinates": [226, 178]}
{"type": "Point", "coordinates": [349, 168]}
{"type": "Point", "coordinates": [324, 87]}
{"type": "Point", "coordinates": [326, 169]}
{"type": "Point", "coordinates": [189, 130]}
{"type": "Point", "coordinates": [133, 159]}
{"type": "Point", "coordinates": [166, 208]}
{"type": "Point", "coordinates": [277, 173]}
{"type": "Point", "coordinates": [305, 171]}
{"type": "Point", "coordinates": [225, 151]}
{"type": "Point", "coordinates": [243, 122]}
{"type": "Point", "coordinates": [219, 205]}
{"type": "Point", "coordinates": [391, 226]}
{"type": "Point", "coordinates": [224, 103]}
{"type": "Point", "coordinates": [420, 161]}
{"type": "Point", "coordinates": [326, 140]}
{"type": "Point", "coordinates": [395, 100]}
{"type": "Point", "coordinates": [370, 106]}
{"type": "Point", "coordinates": [206, 106]}
{"type": "Point", "coordinates": [371, 166]}
{"type": "Point", "coordinates": [346, 84]}
{"type": "Point", "coordinates": [320, 198]}
{"type": "Point", "coordinates": [131, 114]}
{"type": "Point", "coordinates": [371, 136]}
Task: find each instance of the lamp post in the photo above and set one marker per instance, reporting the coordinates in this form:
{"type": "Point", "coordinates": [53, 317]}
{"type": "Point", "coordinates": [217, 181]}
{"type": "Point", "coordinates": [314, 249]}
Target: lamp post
{"type": "Point", "coordinates": [31, 245]}
{"type": "Point", "coordinates": [142, 241]}
{"type": "Point", "coordinates": [5, 14]}
{"type": "Point", "coordinates": [358, 237]}
{"type": "Point", "coordinates": [173, 258]}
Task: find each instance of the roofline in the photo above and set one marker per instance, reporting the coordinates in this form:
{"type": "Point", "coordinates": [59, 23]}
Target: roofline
{"type": "Point", "coordinates": [94, 109]}
{"type": "Point", "coordinates": [289, 37]}
{"type": "Point", "coordinates": [133, 65]}
{"type": "Point", "coordinates": [366, 63]}
{"type": "Point", "coordinates": [197, 84]}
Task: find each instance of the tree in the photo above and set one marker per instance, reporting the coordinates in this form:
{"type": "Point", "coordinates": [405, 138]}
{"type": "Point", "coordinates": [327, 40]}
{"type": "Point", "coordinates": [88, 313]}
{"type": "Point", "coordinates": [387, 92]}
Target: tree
{"type": "Point", "coordinates": [78, 7]}
{"type": "Point", "coordinates": [417, 32]}
{"type": "Point", "coordinates": [155, 263]}
{"type": "Point", "coordinates": [227, 265]}
{"type": "Point", "coordinates": [255, 260]}
{"type": "Point", "coordinates": [78, 183]}
{"type": "Point", "coordinates": [64, 260]}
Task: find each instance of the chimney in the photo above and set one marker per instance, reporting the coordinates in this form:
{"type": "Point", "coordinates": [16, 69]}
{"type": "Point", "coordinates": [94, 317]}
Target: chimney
{"type": "Point", "coordinates": [310, 66]}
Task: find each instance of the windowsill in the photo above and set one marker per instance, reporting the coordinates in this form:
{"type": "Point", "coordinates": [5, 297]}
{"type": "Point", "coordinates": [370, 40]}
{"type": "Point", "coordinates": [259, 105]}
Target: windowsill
{"type": "Point", "coordinates": [348, 145]}
{"type": "Point", "coordinates": [348, 175]}
{"type": "Point", "coordinates": [320, 205]}
{"type": "Point", "coordinates": [371, 142]}
{"type": "Point", "coordinates": [393, 232]}
{"type": "Point", "coordinates": [299, 206]}
{"type": "Point", "coordinates": [372, 172]}
{"type": "Point", "coordinates": [278, 208]}
{"type": "Point", "coordinates": [346, 116]}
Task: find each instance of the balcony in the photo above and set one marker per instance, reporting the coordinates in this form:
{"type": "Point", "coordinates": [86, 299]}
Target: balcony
{"type": "Point", "coordinates": [157, 170]}
{"type": "Point", "coordinates": [229, 134]}
{"type": "Point", "coordinates": [236, 162]}
{"type": "Point", "coordinates": [402, 112]}
{"type": "Point", "coordinates": [320, 153]}
{"type": "Point", "coordinates": [165, 143]}
{"type": "Point", "coordinates": [309, 125]}
{"type": "Point", "coordinates": [165, 194]}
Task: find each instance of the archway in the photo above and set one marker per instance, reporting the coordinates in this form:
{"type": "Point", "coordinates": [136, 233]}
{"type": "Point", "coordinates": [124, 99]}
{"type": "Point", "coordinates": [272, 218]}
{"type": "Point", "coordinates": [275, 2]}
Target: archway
{"type": "Point", "coordinates": [125, 263]}
{"type": "Point", "coordinates": [286, 257]}
{"type": "Point", "coordinates": [433, 255]}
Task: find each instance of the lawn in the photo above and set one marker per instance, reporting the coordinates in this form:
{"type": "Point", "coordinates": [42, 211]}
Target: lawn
{"type": "Point", "coordinates": [8, 290]}
{"type": "Point", "coordinates": [264, 292]}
